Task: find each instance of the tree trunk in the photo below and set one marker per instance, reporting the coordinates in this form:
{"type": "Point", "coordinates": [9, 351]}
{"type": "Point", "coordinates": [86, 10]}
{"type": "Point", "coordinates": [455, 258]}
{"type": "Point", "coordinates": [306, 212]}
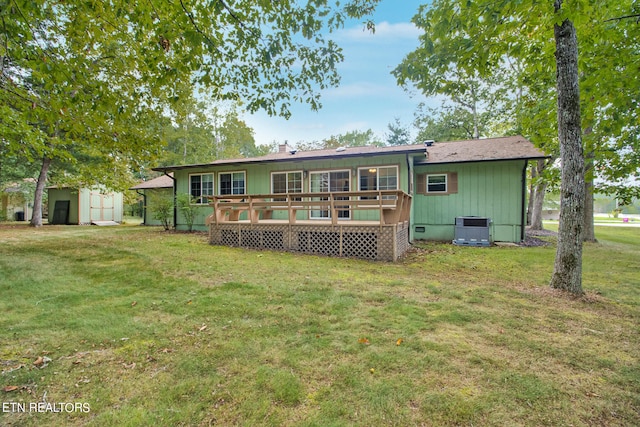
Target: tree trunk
{"type": "Point", "coordinates": [538, 197]}
{"type": "Point", "coordinates": [532, 194]}
{"type": "Point", "coordinates": [36, 218]}
{"type": "Point", "coordinates": [567, 271]}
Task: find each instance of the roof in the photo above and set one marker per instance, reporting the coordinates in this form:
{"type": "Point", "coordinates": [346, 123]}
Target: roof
{"type": "Point", "coordinates": [473, 150]}
{"type": "Point", "coordinates": [479, 150]}
{"type": "Point", "coordinates": [163, 181]}
{"type": "Point", "coordinates": [295, 155]}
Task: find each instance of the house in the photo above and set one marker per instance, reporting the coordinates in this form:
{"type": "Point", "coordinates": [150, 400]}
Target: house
{"type": "Point", "coordinates": [84, 206]}
{"type": "Point", "coordinates": [16, 200]}
{"type": "Point", "coordinates": [343, 201]}
{"type": "Point", "coordinates": [151, 191]}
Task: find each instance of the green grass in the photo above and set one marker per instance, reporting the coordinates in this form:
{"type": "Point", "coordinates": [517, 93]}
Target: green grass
{"type": "Point", "coordinates": [155, 328]}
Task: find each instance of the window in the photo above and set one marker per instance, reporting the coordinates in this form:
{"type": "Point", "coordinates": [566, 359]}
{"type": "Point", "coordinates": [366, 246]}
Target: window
{"type": "Point", "coordinates": [231, 183]}
{"type": "Point", "coordinates": [378, 178]}
{"type": "Point", "coordinates": [286, 182]}
{"type": "Point", "coordinates": [200, 186]}
{"type": "Point", "coordinates": [332, 181]}
{"type": "Point", "coordinates": [437, 183]}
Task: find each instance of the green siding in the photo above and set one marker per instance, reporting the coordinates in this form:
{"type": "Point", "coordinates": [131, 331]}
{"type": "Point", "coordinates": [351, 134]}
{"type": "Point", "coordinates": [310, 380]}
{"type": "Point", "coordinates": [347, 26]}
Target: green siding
{"type": "Point", "coordinates": [80, 205]}
{"type": "Point", "coordinates": [56, 194]}
{"type": "Point", "coordinates": [489, 189]}
{"type": "Point", "coordinates": [258, 179]}
{"type": "Point", "coordinates": [151, 194]}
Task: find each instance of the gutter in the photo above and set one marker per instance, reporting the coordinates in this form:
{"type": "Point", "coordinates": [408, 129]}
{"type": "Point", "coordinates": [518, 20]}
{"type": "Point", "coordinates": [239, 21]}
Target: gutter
{"type": "Point", "coordinates": [523, 213]}
{"type": "Point", "coordinates": [144, 207]}
{"type": "Point", "coordinates": [175, 205]}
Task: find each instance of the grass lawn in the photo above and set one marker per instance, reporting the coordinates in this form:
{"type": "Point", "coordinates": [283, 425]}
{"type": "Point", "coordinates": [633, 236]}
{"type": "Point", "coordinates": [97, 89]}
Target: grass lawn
{"type": "Point", "coordinates": [133, 326]}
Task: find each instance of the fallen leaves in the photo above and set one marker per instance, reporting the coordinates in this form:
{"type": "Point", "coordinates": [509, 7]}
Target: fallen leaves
{"type": "Point", "coordinates": [41, 362]}
{"type": "Point", "coordinates": [10, 388]}
{"type": "Point", "coordinates": [365, 341]}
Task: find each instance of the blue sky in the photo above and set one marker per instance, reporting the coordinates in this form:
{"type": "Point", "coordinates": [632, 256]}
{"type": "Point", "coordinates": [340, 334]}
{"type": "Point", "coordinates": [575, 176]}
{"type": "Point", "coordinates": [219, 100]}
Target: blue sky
{"type": "Point", "coordinates": [368, 96]}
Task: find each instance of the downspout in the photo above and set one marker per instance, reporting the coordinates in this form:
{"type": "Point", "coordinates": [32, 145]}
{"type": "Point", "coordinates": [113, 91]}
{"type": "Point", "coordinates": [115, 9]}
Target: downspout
{"type": "Point", "coordinates": [144, 207]}
{"type": "Point", "coordinates": [523, 201]}
{"type": "Point", "coordinates": [175, 205]}
{"type": "Point", "coordinates": [410, 192]}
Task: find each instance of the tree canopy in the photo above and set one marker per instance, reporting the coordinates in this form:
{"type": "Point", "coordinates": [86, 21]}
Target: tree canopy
{"type": "Point", "coordinates": [466, 43]}
{"type": "Point", "coordinates": [85, 86]}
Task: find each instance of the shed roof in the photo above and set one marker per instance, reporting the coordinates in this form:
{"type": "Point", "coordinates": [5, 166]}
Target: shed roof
{"type": "Point", "coordinates": [163, 181]}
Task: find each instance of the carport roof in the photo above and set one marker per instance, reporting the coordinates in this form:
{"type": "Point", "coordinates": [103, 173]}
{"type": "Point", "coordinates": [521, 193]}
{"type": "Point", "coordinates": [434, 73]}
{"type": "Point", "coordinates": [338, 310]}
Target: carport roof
{"type": "Point", "coordinates": [163, 181]}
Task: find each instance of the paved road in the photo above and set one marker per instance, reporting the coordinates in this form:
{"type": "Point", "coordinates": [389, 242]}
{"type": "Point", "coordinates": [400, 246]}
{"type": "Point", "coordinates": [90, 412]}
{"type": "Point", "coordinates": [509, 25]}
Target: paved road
{"type": "Point", "coordinates": [635, 224]}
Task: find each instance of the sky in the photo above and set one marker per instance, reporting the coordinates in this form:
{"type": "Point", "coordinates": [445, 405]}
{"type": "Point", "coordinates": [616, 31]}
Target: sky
{"type": "Point", "coordinates": [368, 96]}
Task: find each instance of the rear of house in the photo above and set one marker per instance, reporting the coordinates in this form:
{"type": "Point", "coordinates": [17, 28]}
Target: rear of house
{"type": "Point", "coordinates": [444, 181]}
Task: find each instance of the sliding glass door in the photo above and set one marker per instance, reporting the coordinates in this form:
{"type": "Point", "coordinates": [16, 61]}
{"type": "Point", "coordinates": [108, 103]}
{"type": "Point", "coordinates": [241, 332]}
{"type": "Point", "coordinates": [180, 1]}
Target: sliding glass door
{"type": "Point", "coordinates": [330, 181]}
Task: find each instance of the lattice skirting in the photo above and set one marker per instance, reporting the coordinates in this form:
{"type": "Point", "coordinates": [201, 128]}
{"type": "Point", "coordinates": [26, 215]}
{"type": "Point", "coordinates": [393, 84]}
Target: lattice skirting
{"type": "Point", "coordinates": [386, 243]}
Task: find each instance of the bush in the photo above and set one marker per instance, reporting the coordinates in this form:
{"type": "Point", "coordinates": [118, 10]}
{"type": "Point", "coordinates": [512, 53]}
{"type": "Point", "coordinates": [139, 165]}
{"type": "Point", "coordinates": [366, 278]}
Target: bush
{"type": "Point", "coordinates": [185, 204]}
{"type": "Point", "coordinates": [161, 208]}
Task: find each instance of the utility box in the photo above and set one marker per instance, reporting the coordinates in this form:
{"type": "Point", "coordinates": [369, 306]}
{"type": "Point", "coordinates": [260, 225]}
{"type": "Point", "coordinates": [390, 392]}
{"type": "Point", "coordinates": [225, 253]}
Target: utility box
{"type": "Point", "coordinates": [472, 231]}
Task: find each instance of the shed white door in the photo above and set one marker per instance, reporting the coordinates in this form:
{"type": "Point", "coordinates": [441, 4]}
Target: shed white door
{"type": "Point", "coordinates": [102, 207]}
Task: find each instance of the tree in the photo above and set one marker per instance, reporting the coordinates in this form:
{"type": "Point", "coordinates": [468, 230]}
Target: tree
{"type": "Point", "coordinates": [204, 135]}
{"type": "Point", "coordinates": [567, 270]}
{"type": "Point", "coordinates": [513, 39]}
{"type": "Point", "coordinates": [93, 80]}
{"type": "Point", "coordinates": [398, 134]}
{"type": "Point", "coordinates": [447, 123]}
{"type": "Point", "coordinates": [487, 36]}
{"type": "Point", "coordinates": [353, 138]}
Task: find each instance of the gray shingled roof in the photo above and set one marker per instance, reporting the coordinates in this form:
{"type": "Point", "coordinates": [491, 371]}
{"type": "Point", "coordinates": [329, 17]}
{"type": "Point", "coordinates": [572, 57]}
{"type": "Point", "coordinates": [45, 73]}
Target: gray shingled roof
{"type": "Point", "coordinates": [162, 181]}
{"type": "Point", "coordinates": [295, 155]}
{"type": "Point", "coordinates": [478, 150]}
{"type": "Point", "coordinates": [507, 148]}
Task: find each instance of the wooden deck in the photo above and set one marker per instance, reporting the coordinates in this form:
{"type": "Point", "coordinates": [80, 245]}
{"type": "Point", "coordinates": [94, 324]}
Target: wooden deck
{"type": "Point", "coordinates": [370, 224]}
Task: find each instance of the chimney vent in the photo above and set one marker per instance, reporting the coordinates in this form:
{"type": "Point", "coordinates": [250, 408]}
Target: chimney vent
{"type": "Point", "coordinates": [284, 148]}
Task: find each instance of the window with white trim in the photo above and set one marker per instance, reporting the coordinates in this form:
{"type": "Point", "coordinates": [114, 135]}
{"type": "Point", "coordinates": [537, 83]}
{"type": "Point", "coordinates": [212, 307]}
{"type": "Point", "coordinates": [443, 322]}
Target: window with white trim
{"type": "Point", "coordinates": [231, 183]}
{"type": "Point", "coordinates": [200, 186]}
{"type": "Point", "coordinates": [378, 178]}
{"type": "Point", "coordinates": [286, 182]}
{"type": "Point", "coordinates": [437, 183]}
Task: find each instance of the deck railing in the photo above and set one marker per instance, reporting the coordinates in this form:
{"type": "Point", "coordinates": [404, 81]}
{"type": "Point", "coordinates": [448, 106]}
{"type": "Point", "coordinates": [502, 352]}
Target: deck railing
{"type": "Point", "coordinates": [394, 206]}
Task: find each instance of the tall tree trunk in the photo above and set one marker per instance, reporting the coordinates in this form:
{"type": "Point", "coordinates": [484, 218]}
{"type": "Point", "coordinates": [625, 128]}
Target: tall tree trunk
{"type": "Point", "coordinates": [567, 271]}
{"type": "Point", "coordinates": [532, 194]}
{"type": "Point", "coordinates": [36, 218]}
{"type": "Point", "coordinates": [538, 196]}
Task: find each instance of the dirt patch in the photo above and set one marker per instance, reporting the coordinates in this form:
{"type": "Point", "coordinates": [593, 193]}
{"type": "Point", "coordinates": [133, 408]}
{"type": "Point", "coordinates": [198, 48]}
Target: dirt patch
{"type": "Point", "coordinates": [538, 237]}
{"type": "Point", "coordinates": [547, 291]}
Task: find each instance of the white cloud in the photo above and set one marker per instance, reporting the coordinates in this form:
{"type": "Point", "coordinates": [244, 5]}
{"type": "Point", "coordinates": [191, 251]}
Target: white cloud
{"type": "Point", "coordinates": [384, 32]}
{"type": "Point", "coordinates": [358, 89]}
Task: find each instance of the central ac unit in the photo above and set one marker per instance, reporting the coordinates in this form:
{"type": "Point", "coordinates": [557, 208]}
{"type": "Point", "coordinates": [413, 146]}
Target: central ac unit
{"type": "Point", "coordinates": [472, 231]}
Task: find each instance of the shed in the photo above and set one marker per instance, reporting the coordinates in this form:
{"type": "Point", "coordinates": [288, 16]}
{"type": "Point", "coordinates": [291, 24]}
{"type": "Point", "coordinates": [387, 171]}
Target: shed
{"type": "Point", "coordinates": [16, 201]}
{"type": "Point", "coordinates": [84, 206]}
